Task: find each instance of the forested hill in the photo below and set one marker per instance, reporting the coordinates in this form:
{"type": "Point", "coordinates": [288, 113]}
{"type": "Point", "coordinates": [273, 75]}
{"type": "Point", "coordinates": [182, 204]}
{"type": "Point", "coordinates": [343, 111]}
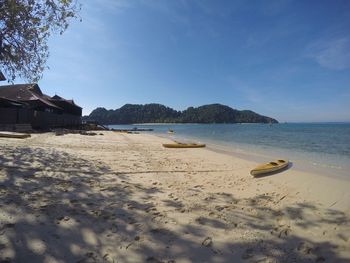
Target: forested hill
{"type": "Point", "coordinates": [157, 113]}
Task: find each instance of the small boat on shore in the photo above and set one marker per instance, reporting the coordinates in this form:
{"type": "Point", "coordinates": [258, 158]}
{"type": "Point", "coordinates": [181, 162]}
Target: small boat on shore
{"type": "Point", "coordinates": [183, 145]}
{"type": "Point", "coordinates": [170, 131]}
{"type": "Point", "coordinates": [131, 130]}
{"type": "Point", "coordinates": [270, 167]}
{"type": "Point", "coordinates": [14, 135]}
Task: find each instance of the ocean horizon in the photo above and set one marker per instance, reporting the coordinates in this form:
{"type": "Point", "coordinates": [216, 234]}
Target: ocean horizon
{"type": "Point", "coordinates": [322, 147]}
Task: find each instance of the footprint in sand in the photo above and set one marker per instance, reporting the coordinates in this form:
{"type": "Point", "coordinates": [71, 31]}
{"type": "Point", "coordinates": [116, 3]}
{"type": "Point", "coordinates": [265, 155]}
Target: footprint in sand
{"type": "Point", "coordinates": [151, 209]}
{"type": "Point", "coordinates": [281, 231]}
{"type": "Point", "coordinates": [114, 228]}
{"type": "Point", "coordinates": [90, 257]}
{"type": "Point", "coordinates": [207, 242]}
{"type": "Point", "coordinates": [248, 253]}
{"type": "Point", "coordinates": [154, 260]}
{"type": "Point", "coordinates": [130, 206]}
{"type": "Point", "coordinates": [9, 225]}
{"type": "Point", "coordinates": [305, 248]}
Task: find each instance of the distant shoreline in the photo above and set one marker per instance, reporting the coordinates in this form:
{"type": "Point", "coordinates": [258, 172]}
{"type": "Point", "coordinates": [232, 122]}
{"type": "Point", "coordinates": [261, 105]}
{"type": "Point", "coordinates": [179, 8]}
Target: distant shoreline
{"type": "Point", "coordinates": [192, 123]}
{"type": "Point", "coordinates": [181, 123]}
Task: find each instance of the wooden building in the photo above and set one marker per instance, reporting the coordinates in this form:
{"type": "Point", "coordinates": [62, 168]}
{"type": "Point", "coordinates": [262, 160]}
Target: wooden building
{"type": "Point", "coordinates": [26, 104]}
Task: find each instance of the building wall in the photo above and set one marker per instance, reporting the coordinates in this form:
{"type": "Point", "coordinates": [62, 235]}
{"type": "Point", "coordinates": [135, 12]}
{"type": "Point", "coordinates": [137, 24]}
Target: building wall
{"type": "Point", "coordinates": [48, 120]}
{"type": "Point", "coordinates": [37, 119]}
{"type": "Point", "coordinates": [8, 115]}
{"type": "Point", "coordinates": [68, 108]}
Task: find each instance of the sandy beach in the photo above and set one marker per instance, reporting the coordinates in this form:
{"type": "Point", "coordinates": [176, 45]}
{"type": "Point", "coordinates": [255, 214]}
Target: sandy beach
{"type": "Point", "coordinates": [118, 197]}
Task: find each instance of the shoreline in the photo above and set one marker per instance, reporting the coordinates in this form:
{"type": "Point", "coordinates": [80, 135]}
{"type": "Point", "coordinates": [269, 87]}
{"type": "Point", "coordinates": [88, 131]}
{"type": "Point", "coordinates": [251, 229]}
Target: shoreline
{"type": "Point", "coordinates": [322, 180]}
{"type": "Point", "coordinates": [264, 155]}
{"type": "Point", "coordinates": [124, 197]}
{"type": "Point", "coordinates": [317, 159]}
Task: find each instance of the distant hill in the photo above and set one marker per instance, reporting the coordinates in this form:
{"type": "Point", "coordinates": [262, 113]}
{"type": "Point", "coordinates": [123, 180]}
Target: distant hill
{"type": "Point", "coordinates": [157, 113]}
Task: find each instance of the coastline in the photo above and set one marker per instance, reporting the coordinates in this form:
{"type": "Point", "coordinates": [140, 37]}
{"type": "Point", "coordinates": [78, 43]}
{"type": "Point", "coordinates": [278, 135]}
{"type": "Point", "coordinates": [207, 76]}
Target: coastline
{"type": "Point", "coordinates": [314, 177]}
{"type": "Point", "coordinates": [124, 197]}
{"type": "Point", "coordinates": [261, 155]}
{"type": "Point", "coordinates": [313, 147]}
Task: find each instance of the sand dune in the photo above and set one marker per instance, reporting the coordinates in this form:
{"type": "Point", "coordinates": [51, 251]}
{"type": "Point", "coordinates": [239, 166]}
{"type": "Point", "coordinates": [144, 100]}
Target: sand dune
{"type": "Point", "coordinates": [124, 198]}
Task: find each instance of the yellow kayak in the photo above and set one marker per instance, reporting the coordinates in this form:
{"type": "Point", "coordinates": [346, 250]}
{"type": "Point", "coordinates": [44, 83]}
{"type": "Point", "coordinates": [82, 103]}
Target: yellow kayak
{"type": "Point", "coordinates": [14, 135]}
{"type": "Point", "coordinates": [183, 145]}
{"type": "Point", "coordinates": [269, 167]}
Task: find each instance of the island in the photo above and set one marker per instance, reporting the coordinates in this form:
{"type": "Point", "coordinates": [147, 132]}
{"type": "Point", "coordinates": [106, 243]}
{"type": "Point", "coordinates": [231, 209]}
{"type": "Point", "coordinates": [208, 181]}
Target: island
{"type": "Point", "coordinates": [158, 113]}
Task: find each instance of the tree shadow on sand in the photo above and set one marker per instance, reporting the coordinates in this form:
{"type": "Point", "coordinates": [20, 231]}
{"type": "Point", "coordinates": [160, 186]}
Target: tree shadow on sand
{"type": "Point", "coordinates": [56, 207]}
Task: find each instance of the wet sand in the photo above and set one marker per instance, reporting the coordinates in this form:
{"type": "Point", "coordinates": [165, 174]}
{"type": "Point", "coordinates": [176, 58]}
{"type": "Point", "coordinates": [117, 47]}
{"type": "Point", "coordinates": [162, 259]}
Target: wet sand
{"type": "Point", "coordinates": [124, 198]}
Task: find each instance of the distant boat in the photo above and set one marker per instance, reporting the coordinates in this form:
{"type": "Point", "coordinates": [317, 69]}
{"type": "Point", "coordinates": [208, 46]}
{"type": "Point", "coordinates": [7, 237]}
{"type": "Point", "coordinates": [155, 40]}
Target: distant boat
{"type": "Point", "coordinates": [170, 131]}
{"type": "Point", "coordinates": [131, 130]}
{"type": "Point", "coordinates": [183, 145]}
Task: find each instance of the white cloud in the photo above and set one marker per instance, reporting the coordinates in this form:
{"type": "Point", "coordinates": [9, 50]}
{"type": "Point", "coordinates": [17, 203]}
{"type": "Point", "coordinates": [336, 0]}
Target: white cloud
{"type": "Point", "coordinates": [333, 54]}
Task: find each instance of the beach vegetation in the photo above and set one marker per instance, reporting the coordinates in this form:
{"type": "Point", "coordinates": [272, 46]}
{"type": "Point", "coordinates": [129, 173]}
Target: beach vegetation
{"type": "Point", "coordinates": [25, 27]}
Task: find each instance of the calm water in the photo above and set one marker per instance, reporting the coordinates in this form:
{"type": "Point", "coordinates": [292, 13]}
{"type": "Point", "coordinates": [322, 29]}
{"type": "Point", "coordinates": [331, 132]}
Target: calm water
{"type": "Point", "coordinates": [319, 146]}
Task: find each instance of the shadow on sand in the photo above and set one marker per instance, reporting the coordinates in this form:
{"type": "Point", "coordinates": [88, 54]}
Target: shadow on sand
{"type": "Point", "coordinates": [56, 207]}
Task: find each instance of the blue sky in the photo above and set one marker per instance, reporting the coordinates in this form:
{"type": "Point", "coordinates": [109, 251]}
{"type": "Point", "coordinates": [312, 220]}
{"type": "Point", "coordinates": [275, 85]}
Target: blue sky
{"type": "Point", "coordinates": [286, 59]}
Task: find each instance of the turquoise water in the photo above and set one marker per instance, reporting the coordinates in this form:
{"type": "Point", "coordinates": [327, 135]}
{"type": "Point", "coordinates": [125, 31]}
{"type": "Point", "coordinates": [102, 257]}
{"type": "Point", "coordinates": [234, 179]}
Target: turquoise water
{"type": "Point", "coordinates": [323, 146]}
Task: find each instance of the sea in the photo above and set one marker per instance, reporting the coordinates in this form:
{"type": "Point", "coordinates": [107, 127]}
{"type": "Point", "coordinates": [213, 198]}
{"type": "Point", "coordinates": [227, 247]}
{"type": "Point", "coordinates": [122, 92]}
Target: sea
{"type": "Point", "coordinates": [322, 148]}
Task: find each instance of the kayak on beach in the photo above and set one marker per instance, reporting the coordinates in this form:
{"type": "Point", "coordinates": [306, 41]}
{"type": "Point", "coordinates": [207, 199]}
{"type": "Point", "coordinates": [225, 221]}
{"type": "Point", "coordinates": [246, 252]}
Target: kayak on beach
{"type": "Point", "coordinates": [183, 145]}
{"type": "Point", "coordinates": [14, 135]}
{"type": "Point", "coordinates": [269, 167]}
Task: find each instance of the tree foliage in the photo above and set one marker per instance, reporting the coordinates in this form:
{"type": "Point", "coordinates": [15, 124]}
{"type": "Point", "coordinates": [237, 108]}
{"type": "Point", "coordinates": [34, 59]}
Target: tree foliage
{"type": "Point", "coordinates": [25, 26]}
{"type": "Point", "coordinates": [157, 113]}
{"type": "Point", "coordinates": [135, 113]}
